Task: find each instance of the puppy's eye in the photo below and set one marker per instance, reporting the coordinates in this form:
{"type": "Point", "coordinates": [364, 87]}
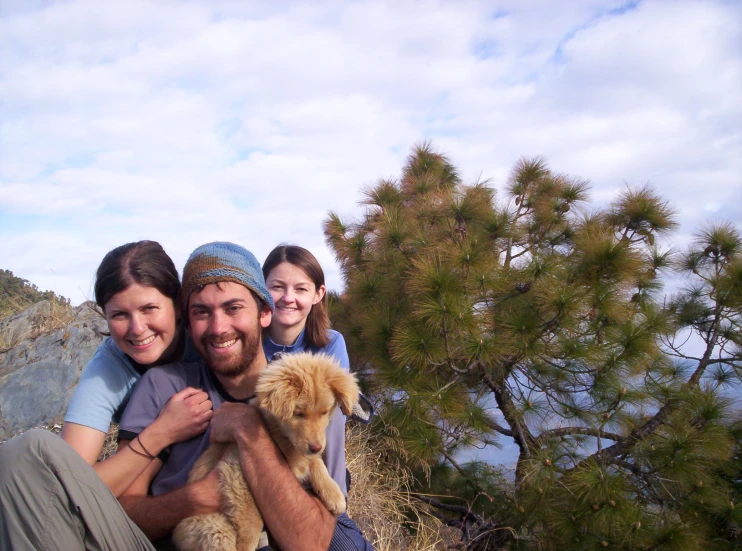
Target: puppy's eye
{"type": "Point", "coordinates": [325, 412]}
{"type": "Point", "coordinates": [298, 414]}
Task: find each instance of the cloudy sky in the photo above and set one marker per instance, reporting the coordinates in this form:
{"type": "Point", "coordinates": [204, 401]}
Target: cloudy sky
{"type": "Point", "coordinates": [245, 121]}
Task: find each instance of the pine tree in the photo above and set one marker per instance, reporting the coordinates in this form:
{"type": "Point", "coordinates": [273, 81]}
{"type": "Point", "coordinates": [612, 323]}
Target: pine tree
{"type": "Point", "coordinates": [537, 319]}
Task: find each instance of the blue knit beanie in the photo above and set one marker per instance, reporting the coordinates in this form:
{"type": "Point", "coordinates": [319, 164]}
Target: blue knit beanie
{"type": "Point", "coordinates": [220, 261]}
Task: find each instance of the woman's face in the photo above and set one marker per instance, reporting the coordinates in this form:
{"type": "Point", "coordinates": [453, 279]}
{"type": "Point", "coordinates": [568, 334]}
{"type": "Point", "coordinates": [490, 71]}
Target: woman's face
{"type": "Point", "coordinates": [142, 322]}
{"type": "Point", "coordinates": [294, 294]}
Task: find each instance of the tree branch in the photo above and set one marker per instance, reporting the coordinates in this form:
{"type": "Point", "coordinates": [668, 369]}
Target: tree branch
{"type": "Point", "coordinates": [610, 453]}
{"type": "Point", "coordinates": [567, 431]}
{"type": "Point", "coordinates": [498, 428]}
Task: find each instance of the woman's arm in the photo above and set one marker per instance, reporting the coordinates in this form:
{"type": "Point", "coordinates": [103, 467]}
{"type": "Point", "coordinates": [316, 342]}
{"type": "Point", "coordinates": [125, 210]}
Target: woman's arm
{"type": "Point", "coordinates": [119, 470]}
{"type": "Point", "coordinates": [185, 415]}
{"type": "Point", "coordinates": [86, 441]}
{"type": "Point", "coordinates": [157, 516]}
{"type": "Point", "coordinates": [336, 347]}
{"type": "Point", "coordinates": [104, 385]}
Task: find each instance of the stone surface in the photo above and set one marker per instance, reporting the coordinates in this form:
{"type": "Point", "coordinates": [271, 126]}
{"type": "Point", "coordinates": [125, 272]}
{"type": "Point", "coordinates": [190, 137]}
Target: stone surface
{"type": "Point", "coordinates": [38, 376]}
{"type": "Point", "coordinates": [23, 325]}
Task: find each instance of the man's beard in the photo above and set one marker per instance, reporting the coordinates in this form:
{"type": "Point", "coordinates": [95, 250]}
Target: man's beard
{"type": "Point", "coordinates": [233, 364]}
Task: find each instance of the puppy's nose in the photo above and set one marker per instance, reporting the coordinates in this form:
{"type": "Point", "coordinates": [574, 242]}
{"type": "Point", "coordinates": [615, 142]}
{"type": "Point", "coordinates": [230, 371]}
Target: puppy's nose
{"type": "Point", "coordinates": [315, 448]}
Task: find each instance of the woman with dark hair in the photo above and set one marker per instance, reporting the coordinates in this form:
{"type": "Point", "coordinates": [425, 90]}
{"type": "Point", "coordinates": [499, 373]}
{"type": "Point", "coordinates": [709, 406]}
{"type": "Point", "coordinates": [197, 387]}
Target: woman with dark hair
{"type": "Point", "coordinates": [56, 496]}
{"type": "Point", "coordinates": [137, 287]}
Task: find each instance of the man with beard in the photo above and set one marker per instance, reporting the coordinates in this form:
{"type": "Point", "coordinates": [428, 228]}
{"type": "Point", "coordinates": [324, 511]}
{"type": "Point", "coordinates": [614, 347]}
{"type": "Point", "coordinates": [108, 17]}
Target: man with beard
{"type": "Point", "coordinates": [227, 307]}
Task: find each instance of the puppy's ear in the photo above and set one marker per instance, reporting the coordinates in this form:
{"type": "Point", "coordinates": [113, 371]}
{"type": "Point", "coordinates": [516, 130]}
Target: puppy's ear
{"type": "Point", "coordinates": [277, 390]}
{"type": "Point", "coordinates": [345, 389]}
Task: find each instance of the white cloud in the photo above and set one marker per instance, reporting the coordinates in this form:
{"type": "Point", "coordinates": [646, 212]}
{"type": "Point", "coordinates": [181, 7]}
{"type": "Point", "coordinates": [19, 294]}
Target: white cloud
{"type": "Point", "coordinates": [189, 122]}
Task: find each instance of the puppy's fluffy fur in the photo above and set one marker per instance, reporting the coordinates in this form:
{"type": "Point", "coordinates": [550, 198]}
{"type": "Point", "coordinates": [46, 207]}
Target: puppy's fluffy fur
{"type": "Point", "coordinates": [297, 395]}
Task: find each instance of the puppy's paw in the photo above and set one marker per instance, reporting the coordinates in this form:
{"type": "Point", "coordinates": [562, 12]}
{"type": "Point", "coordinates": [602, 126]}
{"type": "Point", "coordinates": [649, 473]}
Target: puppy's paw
{"type": "Point", "coordinates": [333, 499]}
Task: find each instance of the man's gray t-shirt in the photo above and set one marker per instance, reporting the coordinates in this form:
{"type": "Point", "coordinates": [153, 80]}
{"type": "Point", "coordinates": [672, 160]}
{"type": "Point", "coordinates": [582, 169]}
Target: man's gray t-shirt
{"type": "Point", "coordinates": [154, 390]}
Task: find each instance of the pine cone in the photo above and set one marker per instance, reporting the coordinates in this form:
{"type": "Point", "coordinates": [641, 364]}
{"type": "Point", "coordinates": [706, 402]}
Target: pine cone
{"type": "Point", "coordinates": [711, 250]}
{"type": "Point", "coordinates": [523, 287]}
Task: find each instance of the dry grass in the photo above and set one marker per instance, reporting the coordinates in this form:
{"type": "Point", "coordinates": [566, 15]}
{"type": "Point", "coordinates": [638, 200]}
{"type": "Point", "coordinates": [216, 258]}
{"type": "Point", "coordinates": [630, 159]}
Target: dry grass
{"type": "Point", "coordinates": [59, 315]}
{"type": "Point", "coordinates": [111, 443]}
{"type": "Point", "coordinates": [7, 341]}
{"type": "Point", "coordinates": [380, 502]}
{"type": "Point", "coordinates": [12, 306]}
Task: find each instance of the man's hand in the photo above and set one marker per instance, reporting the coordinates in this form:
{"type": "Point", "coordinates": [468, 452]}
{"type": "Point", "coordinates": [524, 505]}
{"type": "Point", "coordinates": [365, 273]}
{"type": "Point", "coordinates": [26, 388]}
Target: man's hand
{"type": "Point", "coordinates": [296, 519]}
{"type": "Point", "coordinates": [233, 420]}
{"type": "Point", "coordinates": [205, 492]}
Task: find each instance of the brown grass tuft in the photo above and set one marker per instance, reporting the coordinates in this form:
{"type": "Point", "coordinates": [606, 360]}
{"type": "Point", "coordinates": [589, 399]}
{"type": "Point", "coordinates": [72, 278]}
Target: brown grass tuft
{"type": "Point", "coordinates": [111, 443]}
{"type": "Point", "coordinates": [60, 314]}
{"type": "Point", "coordinates": [380, 502]}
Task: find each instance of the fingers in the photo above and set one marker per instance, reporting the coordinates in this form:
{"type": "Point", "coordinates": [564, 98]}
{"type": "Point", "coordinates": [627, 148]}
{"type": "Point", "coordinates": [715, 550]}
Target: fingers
{"type": "Point", "coordinates": [225, 418]}
{"type": "Point", "coordinates": [195, 399]}
{"type": "Point", "coordinates": [205, 417]}
{"type": "Point", "coordinates": [231, 420]}
{"type": "Point", "coordinates": [190, 406]}
{"type": "Point", "coordinates": [201, 415]}
{"type": "Point", "coordinates": [232, 411]}
{"type": "Point", "coordinates": [186, 393]}
{"type": "Point", "coordinates": [208, 492]}
{"type": "Point", "coordinates": [192, 396]}
{"type": "Point", "coordinates": [199, 402]}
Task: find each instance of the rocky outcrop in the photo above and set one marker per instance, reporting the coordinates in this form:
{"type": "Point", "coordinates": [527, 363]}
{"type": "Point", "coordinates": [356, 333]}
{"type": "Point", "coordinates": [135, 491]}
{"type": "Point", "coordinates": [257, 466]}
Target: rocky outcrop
{"type": "Point", "coordinates": [39, 375]}
{"type": "Point", "coordinates": [26, 324]}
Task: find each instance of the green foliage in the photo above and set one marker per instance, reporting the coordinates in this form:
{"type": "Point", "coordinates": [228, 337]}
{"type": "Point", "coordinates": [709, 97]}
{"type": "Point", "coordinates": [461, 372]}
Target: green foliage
{"type": "Point", "coordinates": [17, 294]}
{"type": "Point", "coordinates": [474, 319]}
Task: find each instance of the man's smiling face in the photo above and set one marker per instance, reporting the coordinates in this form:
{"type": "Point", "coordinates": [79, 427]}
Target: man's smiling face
{"type": "Point", "coordinates": [226, 324]}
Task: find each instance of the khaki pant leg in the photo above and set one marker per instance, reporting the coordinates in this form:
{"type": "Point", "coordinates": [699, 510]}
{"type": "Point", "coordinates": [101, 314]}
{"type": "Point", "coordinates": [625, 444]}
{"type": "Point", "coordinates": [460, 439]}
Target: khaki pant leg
{"type": "Point", "coordinates": [52, 500]}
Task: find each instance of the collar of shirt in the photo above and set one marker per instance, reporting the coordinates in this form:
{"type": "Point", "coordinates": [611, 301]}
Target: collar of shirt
{"type": "Point", "coordinates": [226, 396]}
{"type": "Point", "coordinates": [271, 348]}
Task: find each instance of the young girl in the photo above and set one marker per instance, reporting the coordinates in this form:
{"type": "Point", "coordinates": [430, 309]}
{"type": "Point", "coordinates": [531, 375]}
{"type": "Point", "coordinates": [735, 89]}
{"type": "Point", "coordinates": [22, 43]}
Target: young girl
{"type": "Point", "coordinates": [137, 288]}
{"type": "Point", "coordinates": [301, 323]}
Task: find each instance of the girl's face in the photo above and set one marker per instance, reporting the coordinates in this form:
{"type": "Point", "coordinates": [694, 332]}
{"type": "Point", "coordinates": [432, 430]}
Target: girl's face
{"type": "Point", "coordinates": [142, 322]}
{"type": "Point", "coordinates": [294, 294]}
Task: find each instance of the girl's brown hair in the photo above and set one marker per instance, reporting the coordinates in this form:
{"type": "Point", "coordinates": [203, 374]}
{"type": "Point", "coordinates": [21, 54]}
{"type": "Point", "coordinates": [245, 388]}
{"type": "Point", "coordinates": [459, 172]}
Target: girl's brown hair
{"type": "Point", "coordinates": [143, 262]}
{"type": "Point", "coordinates": [318, 320]}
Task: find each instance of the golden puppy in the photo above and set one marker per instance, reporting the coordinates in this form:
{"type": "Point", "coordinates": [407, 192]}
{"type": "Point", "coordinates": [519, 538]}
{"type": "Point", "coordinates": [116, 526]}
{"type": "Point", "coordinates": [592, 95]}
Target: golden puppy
{"type": "Point", "coordinates": [297, 395]}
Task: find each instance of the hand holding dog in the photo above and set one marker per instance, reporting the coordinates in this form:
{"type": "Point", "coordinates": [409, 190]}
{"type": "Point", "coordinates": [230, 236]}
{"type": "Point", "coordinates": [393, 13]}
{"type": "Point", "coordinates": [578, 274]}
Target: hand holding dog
{"type": "Point", "coordinates": [205, 493]}
{"type": "Point", "coordinates": [233, 421]}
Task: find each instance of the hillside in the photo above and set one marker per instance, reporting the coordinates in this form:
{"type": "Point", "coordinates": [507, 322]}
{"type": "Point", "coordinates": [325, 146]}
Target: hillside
{"type": "Point", "coordinates": [17, 294]}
